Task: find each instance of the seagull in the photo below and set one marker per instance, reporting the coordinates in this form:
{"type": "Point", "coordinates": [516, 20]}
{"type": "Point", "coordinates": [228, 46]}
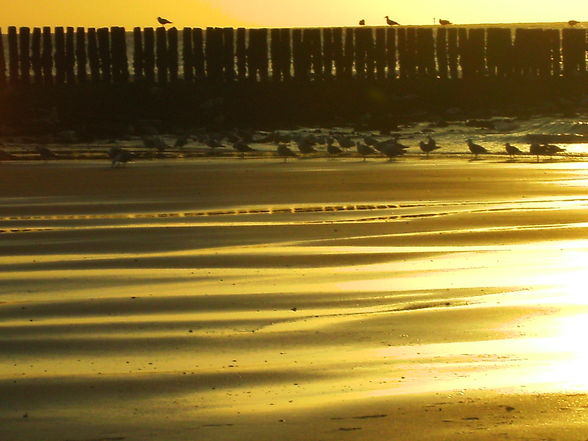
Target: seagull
{"type": "Point", "coordinates": [119, 155]}
{"type": "Point", "coordinates": [390, 22]}
{"type": "Point", "coordinates": [163, 21]}
{"type": "Point", "coordinates": [182, 141]}
{"type": "Point", "coordinates": [476, 149]}
{"type": "Point", "coordinates": [429, 146]}
{"type": "Point", "coordinates": [45, 153]}
{"type": "Point", "coordinates": [285, 152]}
{"type": "Point", "coordinates": [362, 22]}
{"type": "Point", "coordinates": [551, 149]}
{"type": "Point", "coordinates": [344, 141]}
{"type": "Point", "coordinates": [444, 22]}
{"type": "Point", "coordinates": [305, 146]}
{"type": "Point", "coordinates": [333, 150]}
{"type": "Point", "coordinates": [213, 143]}
{"type": "Point", "coordinates": [535, 149]}
{"type": "Point", "coordinates": [242, 147]}
{"type": "Point", "coordinates": [512, 150]}
{"type": "Point", "coordinates": [364, 150]}
{"type": "Point", "coordinates": [573, 22]}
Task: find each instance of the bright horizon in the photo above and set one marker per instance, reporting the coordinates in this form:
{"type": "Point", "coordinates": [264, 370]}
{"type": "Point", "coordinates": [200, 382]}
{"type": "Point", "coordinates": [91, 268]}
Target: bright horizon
{"type": "Point", "coordinates": [279, 13]}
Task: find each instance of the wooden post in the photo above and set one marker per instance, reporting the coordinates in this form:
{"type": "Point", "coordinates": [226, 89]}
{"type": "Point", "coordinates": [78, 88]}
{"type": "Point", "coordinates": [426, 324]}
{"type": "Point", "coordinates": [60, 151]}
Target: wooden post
{"type": "Point", "coordinates": [24, 43]}
{"type": "Point", "coordinates": [124, 60]}
{"type": "Point", "coordinates": [380, 53]}
{"type": "Point", "coordinates": [359, 53]}
{"type": "Point", "coordinates": [452, 53]}
{"type": "Point", "coordinates": [149, 54]}
{"type": "Point", "coordinates": [441, 53]}
{"type": "Point", "coordinates": [36, 62]}
{"type": "Point", "coordinates": [275, 54]}
{"type": "Point", "coordinates": [93, 58]}
{"type": "Point", "coordinates": [411, 46]}
{"type": "Point", "coordinates": [59, 56]}
{"type": "Point", "coordinates": [263, 54]}
{"type": "Point", "coordinates": [161, 54]}
{"type": "Point", "coordinates": [2, 62]}
{"type": "Point", "coordinates": [13, 55]}
{"type": "Point", "coordinates": [213, 55]}
{"type": "Point", "coordinates": [104, 54]}
{"type": "Point", "coordinates": [70, 59]}
{"type": "Point", "coordinates": [81, 58]}
{"type": "Point", "coordinates": [297, 55]}
{"type": "Point", "coordinates": [172, 54]}
{"type": "Point", "coordinates": [370, 53]}
{"type": "Point", "coordinates": [403, 53]}
{"type": "Point", "coordinates": [476, 47]}
{"type": "Point", "coordinates": [138, 55]}
{"type": "Point", "coordinates": [241, 54]}
{"type": "Point", "coordinates": [328, 52]}
{"type": "Point", "coordinates": [229, 54]}
{"type": "Point", "coordinates": [391, 52]}
{"type": "Point", "coordinates": [464, 53]}
{"type": "Point", "coordinates": [348, 53]}
{"type": "Point", "coordinates": [574, 51]}
{"type": "Point", "coordinates": [198, 53]}
{"type": "Point", "coordinates": [187, 53]}
{"type": "Point", "coordinates": [499, 52]}
{"type": "Point", "coordinates": [338, 57]}
{"type": "Point", "coordinates": [555, 45]}
{"type": "Point", "coordinates": [286, 51]}
{"type": "Point", "coordinates": [311, 44]}
{"type": "Point", "coordinates": [425, 52]}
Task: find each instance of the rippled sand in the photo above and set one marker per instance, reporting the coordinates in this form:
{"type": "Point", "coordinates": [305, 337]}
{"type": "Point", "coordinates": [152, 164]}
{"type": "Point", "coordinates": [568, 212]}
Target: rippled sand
{"type": "Point", "coordinates": [310, 300]}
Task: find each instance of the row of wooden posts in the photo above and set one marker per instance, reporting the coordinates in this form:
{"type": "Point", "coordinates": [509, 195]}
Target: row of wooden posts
{"type": "Point", "coordinates": [78, 55]}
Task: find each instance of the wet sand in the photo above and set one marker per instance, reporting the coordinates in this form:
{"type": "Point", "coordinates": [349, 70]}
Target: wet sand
{"type": "Point", "coordinates": [311, 300]}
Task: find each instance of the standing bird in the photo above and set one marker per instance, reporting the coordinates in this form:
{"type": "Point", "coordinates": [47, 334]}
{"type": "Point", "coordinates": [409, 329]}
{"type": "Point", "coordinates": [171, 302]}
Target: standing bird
{"type": "Point", "coordinates": [552, 149]}
{"type": "Point", "coordinates": [512, 150]}
{"type": "Point", "coordinates": [305, 146]}
{"type": "Point", "coordinates": [535, 149]}
{"type": "Point", "coordinates": [444, 22]}
{"type": "Point", "coordinates": [573, 22]}
{"type": "Point", "coordinates": [45, 153]}
{"type": "Point", "coordinates": [390, 22]}
{"type": "Point", "coordinates": [163, 21]}
{"type": "Point", "coordinates": [119, 156]}
{"type": "Point", "coordinates": [429, 146]}
{"type": "Point", "coordinates": [364, 150]}
{"type": "Point", "coordinates": [362, 22]}
{"type": "Point", "coordinates": [285, 152]}
{"type": "Point", "coordinates": [333, 150]}
{"type": "Point", "coordinates": [182, 141]}
{"type": "Point", "coordinates": [242, 147]}
{"type": "Point", "coordinates": [476, 149]}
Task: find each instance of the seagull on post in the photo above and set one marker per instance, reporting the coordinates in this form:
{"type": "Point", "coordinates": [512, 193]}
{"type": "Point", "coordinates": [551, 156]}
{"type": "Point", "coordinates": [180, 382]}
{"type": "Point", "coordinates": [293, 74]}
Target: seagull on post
{"type": "Point", "coordinates": [444, 22]}
{"type": "Point", "coordinates": [390, 22]}
{"type": "Point", "coordinates": [362, 22]}
{"type": "Point", "coordinates": [163, 21]}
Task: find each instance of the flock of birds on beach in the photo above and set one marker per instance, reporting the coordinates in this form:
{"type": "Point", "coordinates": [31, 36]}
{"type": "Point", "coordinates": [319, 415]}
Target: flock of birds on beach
{"type": "Point", "coordinates": [288, 145]}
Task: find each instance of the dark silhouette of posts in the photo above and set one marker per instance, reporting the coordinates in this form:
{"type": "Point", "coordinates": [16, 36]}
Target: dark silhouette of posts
{"type": "Point", "coordinates": [348, 53]}
{"type": "Point", "coordinates": [120, 68]}
{"type": "Point", "coordinates": [425, 52]}
{"type": "Point", "coordinates": [241, 54]}
{"type": "Point", "coordinates": [36, 61]}
{"type": "Point", "coordinates": [214, 46]}
{"type": "Point", "coordinates": [13, 55]}
{"type": "Point", "coordinates": [104, 54]}
{"type": "Point", "coordinates": [276, 55]}
{"type": "Point", "coordinates": [198, 53]}
{"type": "Point", "coordinates": [24, 44]}
{"type": "Point", "coordinates": [187, 55]}
{"type": "Point", "coordinates": [338, 57]}
{"type": "Point", "coordinates": [161, 54]}
{"type": "Point", "coordinates": [138, 55]}
{"type": "Point", "coordinates": [359, 56]}
{"type": "Point", "coordinates": [257, 55]}
{"type": "Point", "coordinates": [380, 53]}
{"type": "Point", "coordinates": [59, 56]}
{"type": "Point", "coordinates": [81, 55]}
{"type": "Point", "coordinates": [149, 54]}
{"type": "Point", "coordinates": [391, 57]}
{"type": "Point", "coordinates": [228, 60]}
{"type": "Point", "coordinates": [499, 52]}
{"type": "Point", "coordinates": [93, 57]}
{"type": "Point", "coordinates": [2, 62]}
{"type": "Point", "coordinates": [441, 53]}
{"type": "Point", "coordinates": [172, 54]}
{"type": "Point", "coordinates": [370, 53]}
{"type": "Point", "coordinates": [555, 51]}
{"type": "Point", "coordinates": [453, 53]}
{"type": "Point", "coordinates": [47, 56]}
{"type": "Point", "coordinates": [69, 59]}
{"type": "Point", "coordinates": [403, 54]}
{"type": "Point", "coordinates": [286, 51]}
{"type": "Point", "coordinates": [328, 53]}
{"type": "Point", "coordinates": [574, 51]}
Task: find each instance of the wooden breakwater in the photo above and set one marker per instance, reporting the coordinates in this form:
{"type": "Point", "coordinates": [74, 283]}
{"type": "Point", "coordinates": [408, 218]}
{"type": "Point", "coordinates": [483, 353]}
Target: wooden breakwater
{"type": "Point", "coordinates": [107, 55]}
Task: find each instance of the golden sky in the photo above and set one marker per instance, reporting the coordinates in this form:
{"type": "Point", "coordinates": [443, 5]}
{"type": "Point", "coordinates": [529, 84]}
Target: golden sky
{"type": "Point", "coordinates": [281, 13]}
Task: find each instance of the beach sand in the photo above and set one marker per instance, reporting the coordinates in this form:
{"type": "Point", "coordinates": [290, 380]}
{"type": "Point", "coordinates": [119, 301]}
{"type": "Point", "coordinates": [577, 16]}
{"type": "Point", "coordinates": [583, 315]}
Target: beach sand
{"type": "Point", "coordinates": [318, 299]}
